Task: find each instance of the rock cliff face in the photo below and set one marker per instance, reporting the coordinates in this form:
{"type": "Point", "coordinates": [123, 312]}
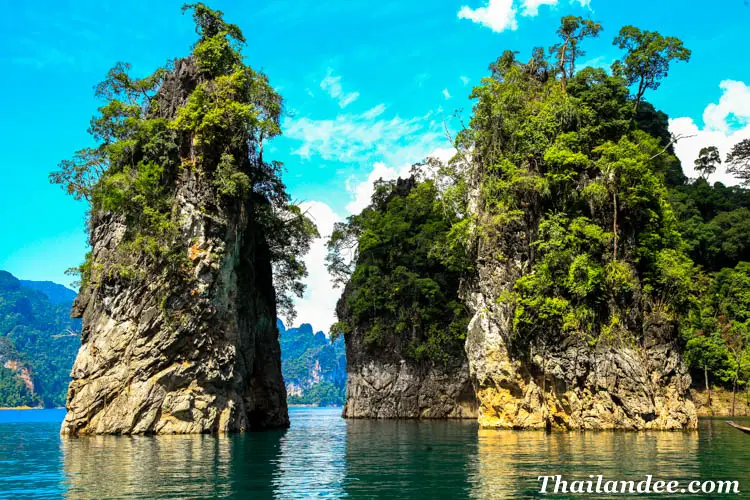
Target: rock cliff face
{"type": "Point", "coordinates": [387, 386]}
{"type": "Point", "coordinates": [568, 384]}
{"type": "Point", "coordinates": [193, 354]}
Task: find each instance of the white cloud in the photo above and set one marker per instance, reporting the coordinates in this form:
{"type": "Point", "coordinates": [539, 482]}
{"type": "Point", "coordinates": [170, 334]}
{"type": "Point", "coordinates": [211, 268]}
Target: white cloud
{"type": "Point", "coordinates": [318, 306]}
{"type": "Point", "coordinates": [531, 7]}
{"type": "Point", "coordinates": [734, 104]}
{"type": "Point", "coordinates": [366, 137]}
{"type": "Point", "coordinates": [725, 124]}
{"type": "Point", "coordinates": [374, 112]}
{"type": "Point", "coordinates": [446, 94]}
{"type": "Point", "coordinates": [332, 85]}
{"type": "Point", "coordinates": [497, 15]}
{"type": "Point", "coordinates": [464, 80]}
{"type": "Point", "coordinates": [361, 192]}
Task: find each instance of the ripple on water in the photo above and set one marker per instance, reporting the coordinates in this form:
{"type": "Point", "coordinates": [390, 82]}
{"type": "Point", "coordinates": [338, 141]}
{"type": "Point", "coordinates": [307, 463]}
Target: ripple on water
{"type": "Point", "coordinates": [326, 456]}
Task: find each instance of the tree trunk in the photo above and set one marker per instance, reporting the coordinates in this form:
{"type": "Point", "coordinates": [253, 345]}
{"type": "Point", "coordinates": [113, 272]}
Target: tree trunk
{"type": "Point", "coordinates": [614, 225]}
{"type": "Point", "coordinates": [564, 79]}
{"type": "Point", "coordinates": [734, 393]}
{"type": "Point", "coordinates": [708, 390]}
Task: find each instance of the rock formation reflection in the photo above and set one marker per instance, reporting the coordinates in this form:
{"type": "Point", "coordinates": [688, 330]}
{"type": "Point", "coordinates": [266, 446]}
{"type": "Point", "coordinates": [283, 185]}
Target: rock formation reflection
{"type": "Point", "coordinates": [325, 456]}
{"type": "Point", "coordinates": [509, 462]}
{"type": "Point", "coordinates": [408, 459]}
{"type": "Point", "coordinates": [164, 466]}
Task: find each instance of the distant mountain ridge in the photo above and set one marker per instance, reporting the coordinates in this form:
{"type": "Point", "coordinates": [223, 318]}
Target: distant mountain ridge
{"type": "Point", "coordinates": [57, 294]}
{"type": "Point", "coordinates": [37, 350]}
{"type": "Point", "coordinates": [38, 342]}
{"type": "Point", "coordinates": [314, 368]}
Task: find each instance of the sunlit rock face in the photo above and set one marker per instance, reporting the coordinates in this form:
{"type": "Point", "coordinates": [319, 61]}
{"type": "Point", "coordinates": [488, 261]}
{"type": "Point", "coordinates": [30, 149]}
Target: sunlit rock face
{"type": "Point", "coordinates": [189, 352]}
{"type": "Point", "coordinates": [563, 382]}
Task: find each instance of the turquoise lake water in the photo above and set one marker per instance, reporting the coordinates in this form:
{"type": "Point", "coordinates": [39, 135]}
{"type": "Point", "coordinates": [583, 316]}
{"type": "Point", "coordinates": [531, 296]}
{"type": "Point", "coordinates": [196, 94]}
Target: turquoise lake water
{"type": "Point", "coordinates": [323, 455]}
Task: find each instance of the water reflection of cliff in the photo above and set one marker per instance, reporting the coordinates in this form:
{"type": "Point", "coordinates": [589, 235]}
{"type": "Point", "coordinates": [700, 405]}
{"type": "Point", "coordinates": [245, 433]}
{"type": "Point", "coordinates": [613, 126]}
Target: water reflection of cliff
{"type": "Point", "coordinates": [323, 455]}
{"type": "Point", "coordinates": [164, 466]}
{"type": "Point", "coordinates": [508, 463]}
{"type": "Point", "coordinates": [408, 459]}
{"type": "Point", "coordinates": [309, 457]}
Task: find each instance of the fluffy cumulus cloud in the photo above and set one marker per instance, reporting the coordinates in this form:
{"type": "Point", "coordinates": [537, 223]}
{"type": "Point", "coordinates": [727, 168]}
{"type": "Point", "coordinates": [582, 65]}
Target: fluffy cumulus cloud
{"type": "Point", "coordinates": [497, 15]}
{"type": "Point", "coordinates": [318, 305]}
{"type": "Point", "coordinates": [361, 190]}
{"type": "Point", "coordinates": [531, 7]}
{"type": "Point", "coordinates": [332, 85]}
{"type": "Point", "coordinates": [501, 15]}
{"type": "Point", "coordinates": [724, 124]}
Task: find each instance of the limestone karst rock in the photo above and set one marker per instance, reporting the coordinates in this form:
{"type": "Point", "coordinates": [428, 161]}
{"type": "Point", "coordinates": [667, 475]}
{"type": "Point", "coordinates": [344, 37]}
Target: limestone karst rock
{"type": "Point", "coordinates": [564, 382]}
{"type": "Point", "coordinates": [191, 352]}
{"type": "Point", "coordinates": [385, 385]}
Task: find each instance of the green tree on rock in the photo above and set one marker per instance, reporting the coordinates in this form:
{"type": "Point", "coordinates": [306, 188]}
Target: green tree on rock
{"type": "Point", "coordinates": [226, 121]}
{"type": "Point", "coordinates": [738, 161]}
{"type": "Point", "coordinates": [647, 60]}
{"type": "Point", "coordinates": [401, 289]}
{"type": "Point", "coordinates": [572, 31]}
{"type": "Point", "coordinates": [570, 189]}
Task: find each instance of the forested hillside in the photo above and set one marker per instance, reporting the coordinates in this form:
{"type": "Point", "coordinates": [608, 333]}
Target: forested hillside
{"type": "Point", "coordinates": [575, 235]}
{"type": "Point", "coordinates": [38, 342]}
{"type": "Point", "coordinates": [314, 368]}
{"type": "Point", "coordinates": [715, 222]}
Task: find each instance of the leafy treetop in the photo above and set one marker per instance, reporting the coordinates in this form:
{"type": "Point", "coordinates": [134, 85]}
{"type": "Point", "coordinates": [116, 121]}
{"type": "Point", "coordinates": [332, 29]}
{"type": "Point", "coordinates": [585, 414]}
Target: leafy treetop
{"type": "Point", "coordinates": [648, 57]}
{"type": "Point", "coordinates": [226, 121]}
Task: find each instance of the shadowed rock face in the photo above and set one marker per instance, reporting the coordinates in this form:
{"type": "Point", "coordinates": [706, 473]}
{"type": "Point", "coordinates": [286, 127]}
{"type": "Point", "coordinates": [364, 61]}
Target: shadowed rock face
{"type": "Point", "coordinates": [384, 384]}
{"type": "Point", "coordinates": [193, 353]}
{"type": "Point", "coordinates": [400, 390]}
{"type": "Point", "coordinates": [564, 383]}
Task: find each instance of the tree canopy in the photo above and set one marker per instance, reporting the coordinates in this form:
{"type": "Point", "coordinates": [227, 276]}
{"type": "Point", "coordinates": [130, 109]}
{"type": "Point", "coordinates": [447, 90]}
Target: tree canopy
{"type": "Point", "coordinates": [229, 116]}
{"type": "Point", "coordinates": [648, 58]}
{"type": "Point", "coordinates": [400, 293]}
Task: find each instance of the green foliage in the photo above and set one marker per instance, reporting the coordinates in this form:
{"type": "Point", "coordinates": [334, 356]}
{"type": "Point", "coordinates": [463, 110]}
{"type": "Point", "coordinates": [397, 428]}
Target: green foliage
{"type": "Point", "coordinates": [715, 223]}
{"type": "Point", "coordinates": [313, 365]}
{"type": "Point", "coordinates": [224, 112]}
{"type": "Point", "coordinates": [146, 149]}
{"type": "Point", "coordinates": [738, 161]}
{"type": "Point", "coordinates": [717, 332]}
{"type": "Point", "coordinates": [217, 51]}
{"type": "Point", "coordinates": [648, 57]}
{"type": "Point", "coordinates": [707, 161]}
{"type": "Point", "coordinates": [401, 295]}
{"type": "Point", "coordinates": [320, 394]}
{"type": "Point", "coordinates": [572, 188]}
{"type": "Point", "coordinates": [572, 31]}
{"type": "Point", "coordinates": [13, 392]}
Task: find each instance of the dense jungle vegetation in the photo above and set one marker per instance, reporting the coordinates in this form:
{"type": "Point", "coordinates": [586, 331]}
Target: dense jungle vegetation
{"type": "Point", "coordinates": [569, 173]}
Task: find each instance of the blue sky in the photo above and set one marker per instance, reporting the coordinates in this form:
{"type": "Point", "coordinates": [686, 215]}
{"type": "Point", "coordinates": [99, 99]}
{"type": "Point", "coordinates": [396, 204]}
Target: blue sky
{"type": "Point", "coordinates": [369, 88]}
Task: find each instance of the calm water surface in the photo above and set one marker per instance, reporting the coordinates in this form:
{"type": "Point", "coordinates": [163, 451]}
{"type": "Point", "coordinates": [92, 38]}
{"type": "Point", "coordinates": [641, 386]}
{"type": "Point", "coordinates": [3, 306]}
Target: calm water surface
{"type": "Point", "coordinates": [323, 455]}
